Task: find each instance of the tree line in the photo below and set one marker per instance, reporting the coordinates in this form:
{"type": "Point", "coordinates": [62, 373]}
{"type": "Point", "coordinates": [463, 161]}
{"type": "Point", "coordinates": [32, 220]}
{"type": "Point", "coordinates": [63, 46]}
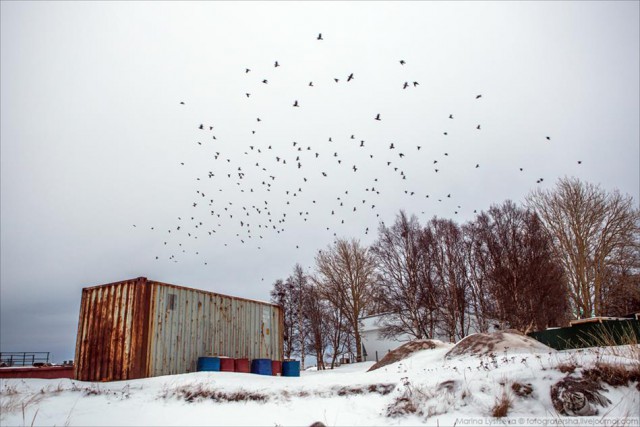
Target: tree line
{"type": "Point", "coordinates": [565, 253]}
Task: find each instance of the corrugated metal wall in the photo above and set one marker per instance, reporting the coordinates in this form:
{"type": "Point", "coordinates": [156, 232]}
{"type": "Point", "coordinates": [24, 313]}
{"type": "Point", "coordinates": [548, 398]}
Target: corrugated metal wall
{"type": "Point", "coordinates": [113, 331]}
{"type": "Point", "coordinates": [187, 323]}
{"type": "Point", "coordinates": [139, 328]}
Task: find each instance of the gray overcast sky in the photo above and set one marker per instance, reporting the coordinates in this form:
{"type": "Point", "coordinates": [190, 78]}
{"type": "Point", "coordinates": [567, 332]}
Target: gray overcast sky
{"type": "Point", "coordinates": [93, 133]}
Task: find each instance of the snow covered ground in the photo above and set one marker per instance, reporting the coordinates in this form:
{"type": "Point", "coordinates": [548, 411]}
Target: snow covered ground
{"type": "Point", "coordinates": [426, 388]}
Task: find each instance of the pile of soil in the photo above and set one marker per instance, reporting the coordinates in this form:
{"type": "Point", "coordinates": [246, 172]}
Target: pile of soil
{"type": "Point", "coordinates": [496, 342]}
{"type": "Point", "coordinates": [405, 350]}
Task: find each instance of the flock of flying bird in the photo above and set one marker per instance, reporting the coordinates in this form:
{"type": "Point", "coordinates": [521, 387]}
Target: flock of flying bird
{"type": "Point", "coordinates": [274, 184]}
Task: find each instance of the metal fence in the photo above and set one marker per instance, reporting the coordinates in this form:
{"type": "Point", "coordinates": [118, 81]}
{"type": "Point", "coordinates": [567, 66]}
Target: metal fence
{"type": "Point", "coordinates": [597, 334]}
{"type": "Point", "coordinates": [24, 358]}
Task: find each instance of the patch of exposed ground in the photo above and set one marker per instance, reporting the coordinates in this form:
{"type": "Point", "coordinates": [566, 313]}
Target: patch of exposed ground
{"type": "Point", "coordinates": [405, 351]}
{"type": "Point", "coordinates": [484, 344]}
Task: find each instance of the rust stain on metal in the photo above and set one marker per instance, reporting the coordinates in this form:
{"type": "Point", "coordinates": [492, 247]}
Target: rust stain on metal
{"type": "Point", "coordinates": [139, 328]}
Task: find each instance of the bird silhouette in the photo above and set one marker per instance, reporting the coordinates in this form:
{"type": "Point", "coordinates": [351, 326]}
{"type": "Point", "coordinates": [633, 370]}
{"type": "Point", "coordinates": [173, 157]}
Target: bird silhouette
{"type": "Point", "coordinates": [276, 64]}
{"type": "Point", "coordinates": [378, 117]}
{"type": "Point", "coordinates": [320, 37]}
{"type": "Point", "coordinates": [405, 85]}
{"type": "Point", "coordinates": [350, 77]}
{"type": "Point", "coordinates": [478, 96]}
{"type": "Point", "coordinates": [402, 62]}
{"type": "Point", "coordinates": [295, 104]}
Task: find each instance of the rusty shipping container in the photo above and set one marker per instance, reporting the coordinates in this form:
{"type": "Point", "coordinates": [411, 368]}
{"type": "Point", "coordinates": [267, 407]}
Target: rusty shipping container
{"type": "Point", "coordinates": [141, 328]}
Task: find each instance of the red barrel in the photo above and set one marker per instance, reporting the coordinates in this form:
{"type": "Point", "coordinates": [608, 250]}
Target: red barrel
{"type": "Point", "coordinates": [276, 368]}
{"type": "Point", "coordinates": [227, 364]}
{"type": "Point", "coordinates": [242, 365]}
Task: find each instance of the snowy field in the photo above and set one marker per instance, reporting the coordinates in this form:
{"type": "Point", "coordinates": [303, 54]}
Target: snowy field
{"type": "Point", "coordinates": [430, 387]}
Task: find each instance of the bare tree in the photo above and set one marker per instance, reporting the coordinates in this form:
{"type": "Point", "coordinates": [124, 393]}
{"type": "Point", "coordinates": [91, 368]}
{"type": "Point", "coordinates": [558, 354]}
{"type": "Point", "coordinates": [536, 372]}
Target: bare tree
{"type": "Point", "coordinates": [481, 305]}
{"type": "Point", "coordinates": [346, 273]}
{"type": "Point", "coordinates": [338, 331]}
{"type": "Point", "coordinates": [450, 276]}
{"type": "Point", "coordinates": [621, 288]}
{"type": "Point", "coordinates": [516, 257]}
{"type": "Point", "coordinates": [591, 228]}
{"type": "Point", "coordinates": [402, 259]}
{"type": "Point", "coordinates": [287, 297]}
{"type": "Point", "coordinates": [317, 322]}
{"type": "Point", "coordinates": [298, 281]}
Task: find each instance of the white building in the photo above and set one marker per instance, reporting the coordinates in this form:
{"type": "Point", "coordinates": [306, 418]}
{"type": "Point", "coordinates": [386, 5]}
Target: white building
{"type": "Point", "coordinates": [374, 345]}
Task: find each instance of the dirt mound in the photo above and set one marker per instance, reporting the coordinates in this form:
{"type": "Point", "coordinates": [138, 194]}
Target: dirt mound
{"type": "Point", "coordinates": [405, 350]}
{"type": "Point", "coordinates": [483, 344]}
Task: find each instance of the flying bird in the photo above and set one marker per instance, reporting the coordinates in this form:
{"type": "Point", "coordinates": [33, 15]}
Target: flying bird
{"type": "Point", "coordinates": [451, 116]}
{"type": "Point", "coordinates": [405, 85]}
{"type": "Point", "coordinates": [402, 62]}
{"type": "Point", "coordinates": [378, 117]}
{"type": "Point", "coordinates": [320, 37]}
{"type": "Point", "coordinates": [276, 64]}
{"type": "Point", "coordinates": [478, 96]}
{"type": "Point", "coordinates": [295, 104]}
{"type": "Point", "coordinates": [415, 84]}
{"type": "Point", "coordinates": [350, 77]}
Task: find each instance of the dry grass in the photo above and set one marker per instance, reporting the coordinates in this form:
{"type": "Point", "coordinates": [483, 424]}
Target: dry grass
{"type": "Point", "coordinates": [16, 402]}
{"type": "Point", "coordinates": [567, 368]}
{"type": "Point", "coordinates": [200, 392]}
{"type": "Point", "coordinates": [503, 404]}
{"type": "Point", "coordinates": [409, 402]}
{"type": "Point", "coordinates": [195, 392]}
{"type": "Point", "coordinates": [615, 375]}
{"type": "Point", "coordinates": [382, 389]}
{"type": "Point", "coordinates": [401, 406]}
{"type": "Point", "coordinates": [622, 344]}
{"type": "Point", "coordinates": [522, 390]}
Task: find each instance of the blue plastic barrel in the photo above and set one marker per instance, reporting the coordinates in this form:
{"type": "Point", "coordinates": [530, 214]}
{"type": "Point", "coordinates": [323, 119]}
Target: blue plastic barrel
{"type": "Point", "coordinates": [261, 366]}
{"type": "Point", "coordinates": [291, 368]}
{"type": "Point", "coordinates": [208, 364]}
